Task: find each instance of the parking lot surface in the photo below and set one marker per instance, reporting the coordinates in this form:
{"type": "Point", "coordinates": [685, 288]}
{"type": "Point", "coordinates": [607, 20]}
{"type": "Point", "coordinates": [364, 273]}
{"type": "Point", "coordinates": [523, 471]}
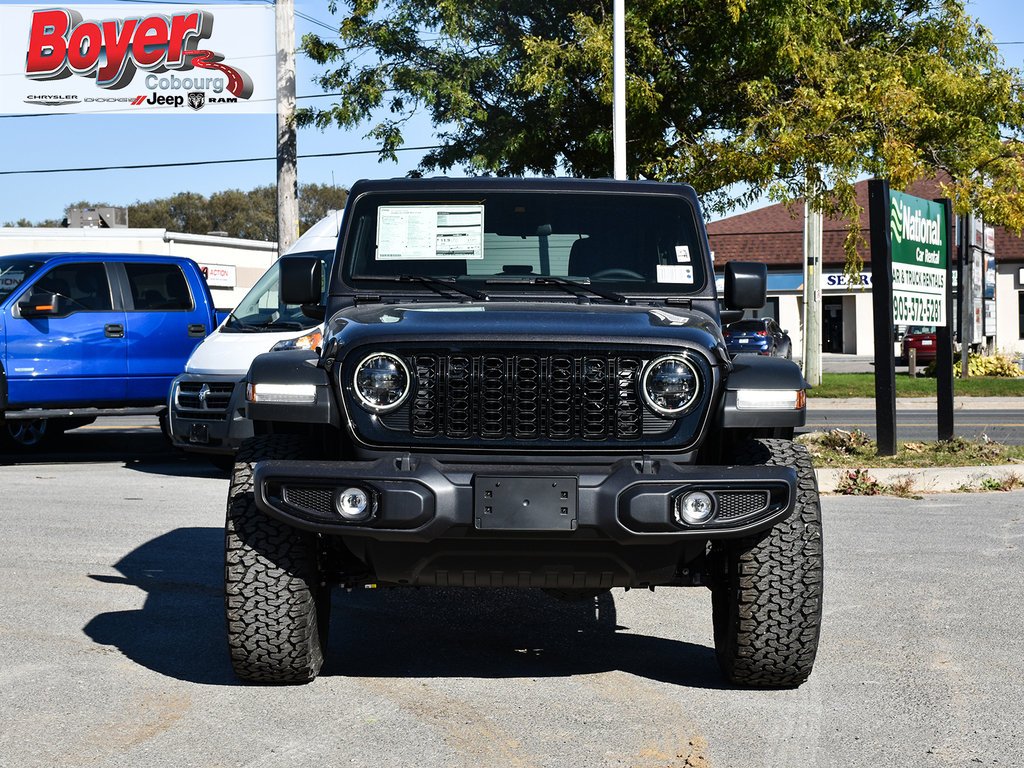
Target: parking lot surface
{"type": "Point", "coordinates": [112, 647]}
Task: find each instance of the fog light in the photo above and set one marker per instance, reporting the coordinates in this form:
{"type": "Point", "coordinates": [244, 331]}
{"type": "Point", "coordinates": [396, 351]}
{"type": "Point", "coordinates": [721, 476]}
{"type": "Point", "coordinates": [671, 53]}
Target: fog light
{"type": "Point", "coordinates": [694, 508]}
{"type": "Point", "coordinates": [353, 504]}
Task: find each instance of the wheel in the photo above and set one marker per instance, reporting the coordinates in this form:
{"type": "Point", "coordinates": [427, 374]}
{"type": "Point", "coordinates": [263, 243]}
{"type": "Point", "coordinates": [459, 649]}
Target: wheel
{"type": "Point", "coordinates": [278, 612]}
{"type": "Point", "coordinates": [28, 434]}
{"type": "Point", "coordinates": [766, 601]}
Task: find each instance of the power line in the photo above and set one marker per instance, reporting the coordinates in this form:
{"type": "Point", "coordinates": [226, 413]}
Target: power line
{"type": "Point", "coordinates": [142, 166]}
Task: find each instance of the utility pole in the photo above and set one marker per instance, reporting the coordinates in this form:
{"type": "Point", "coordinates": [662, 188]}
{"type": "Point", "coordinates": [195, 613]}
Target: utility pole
{"type": "Point", "coordinates": [619, 87]}
{"type": "Point", "coordinates": [287, 170]}
{"type": "Point", "coordinates": [812, 292]}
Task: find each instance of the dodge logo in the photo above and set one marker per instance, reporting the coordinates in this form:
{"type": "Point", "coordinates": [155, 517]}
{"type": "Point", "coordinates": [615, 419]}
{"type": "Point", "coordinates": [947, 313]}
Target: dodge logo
{"type": "Point", "coordinates": [196, 100]}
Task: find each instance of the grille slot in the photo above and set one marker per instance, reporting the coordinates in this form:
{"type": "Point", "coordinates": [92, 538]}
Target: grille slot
{"type": "Point", "coordinates": [310, 498]}
{"type": "Point", "coordinates": [523, 396]}
{"type": "Point", "coordinates": [735, 505]}
{"type": "Point", "coordinates": [208, 398]}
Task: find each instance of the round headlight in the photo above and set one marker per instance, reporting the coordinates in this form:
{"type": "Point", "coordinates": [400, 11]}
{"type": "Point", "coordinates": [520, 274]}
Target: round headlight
{"type": "Point", "coordinates": [382, 382]}
{"type": "Point", "coordinates": [670, 385]}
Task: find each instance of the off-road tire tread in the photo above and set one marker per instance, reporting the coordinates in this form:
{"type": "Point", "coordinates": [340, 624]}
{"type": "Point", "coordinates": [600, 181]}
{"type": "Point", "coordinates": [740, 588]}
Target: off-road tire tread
{"type": "Point", "coordinates": [276, 609]}
{"type": "Point", "coordinates": [767, 609]}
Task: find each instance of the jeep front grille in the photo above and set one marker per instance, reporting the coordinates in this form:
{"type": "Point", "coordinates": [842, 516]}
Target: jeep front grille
{"type": "Point", "coordinates": [210, 399]}
{"type": "Point", "coordinates": [526, 397]}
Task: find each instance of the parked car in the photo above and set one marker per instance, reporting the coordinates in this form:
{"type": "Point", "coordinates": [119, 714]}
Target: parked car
{"type": "Point", "coordinates": [921, 339]}
{"type": "Point", "coordinates": [762, 336]}
{"type": "Point", "coordinates": [206, 402]}
{"type": "Point", "coordinates": [523, 383]}
{"type": "Point", "coordinates": [93, 334]}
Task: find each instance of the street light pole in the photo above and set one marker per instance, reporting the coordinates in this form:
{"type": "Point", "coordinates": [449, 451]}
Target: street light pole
{"type": "Point", "coordinates": [619, 87]}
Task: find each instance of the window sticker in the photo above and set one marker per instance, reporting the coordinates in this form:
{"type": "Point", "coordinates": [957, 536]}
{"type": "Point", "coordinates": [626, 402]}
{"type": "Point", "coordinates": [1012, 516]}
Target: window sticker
{"type": "Point", "coordinates": [675, 273]}
{"type": "Point", "coordinates": [408, 232]}
{"type": "Point", "coordinates": [683, 254]}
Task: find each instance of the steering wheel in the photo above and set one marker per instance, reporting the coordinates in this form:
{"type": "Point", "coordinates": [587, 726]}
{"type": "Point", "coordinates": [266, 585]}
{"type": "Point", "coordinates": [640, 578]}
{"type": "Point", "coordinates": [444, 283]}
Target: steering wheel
{"type": "Point", "coordinates": [618, 272]}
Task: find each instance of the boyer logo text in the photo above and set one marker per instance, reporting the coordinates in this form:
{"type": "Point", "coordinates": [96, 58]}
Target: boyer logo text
{"type": "Point", "coordinates": [61, 44]}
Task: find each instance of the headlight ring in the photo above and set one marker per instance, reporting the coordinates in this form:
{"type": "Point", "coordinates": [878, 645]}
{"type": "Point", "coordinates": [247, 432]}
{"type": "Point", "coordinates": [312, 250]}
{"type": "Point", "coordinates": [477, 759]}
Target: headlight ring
{"type": "Point", "coordinates": [381, 382]}
{"type": "Point", "coordinates": [670, 385]}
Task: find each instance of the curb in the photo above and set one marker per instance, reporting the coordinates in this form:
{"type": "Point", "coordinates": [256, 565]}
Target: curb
{"type": "Point", "coordinates": [925, 479]}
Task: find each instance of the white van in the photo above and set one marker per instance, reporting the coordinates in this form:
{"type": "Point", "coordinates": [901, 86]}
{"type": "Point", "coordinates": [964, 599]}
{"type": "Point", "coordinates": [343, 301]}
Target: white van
{"type": "Point", "coordinates": [206, 403]}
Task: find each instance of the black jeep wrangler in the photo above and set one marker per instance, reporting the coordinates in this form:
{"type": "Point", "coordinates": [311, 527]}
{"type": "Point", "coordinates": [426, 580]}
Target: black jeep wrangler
{"type": "Point", "coordinates": [523, 383]}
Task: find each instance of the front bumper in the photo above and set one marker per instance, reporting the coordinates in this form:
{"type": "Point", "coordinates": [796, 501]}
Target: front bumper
{"type": "Point", "coordinates": [218, 430]}
{"type": "Point", "coordinates": [438, 524]}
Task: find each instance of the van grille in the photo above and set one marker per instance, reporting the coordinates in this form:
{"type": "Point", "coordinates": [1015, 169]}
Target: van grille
{"type": "Point", "coordinates": [207, 398]}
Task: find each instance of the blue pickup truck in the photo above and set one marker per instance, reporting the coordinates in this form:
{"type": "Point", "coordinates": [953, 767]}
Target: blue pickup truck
{"type": "Point", "coordinates": [86, 334]}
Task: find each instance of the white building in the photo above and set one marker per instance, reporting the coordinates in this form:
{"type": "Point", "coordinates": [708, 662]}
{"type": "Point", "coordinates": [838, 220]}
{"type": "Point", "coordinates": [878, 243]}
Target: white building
{"type": "Point", "coordinates": [232, 265]}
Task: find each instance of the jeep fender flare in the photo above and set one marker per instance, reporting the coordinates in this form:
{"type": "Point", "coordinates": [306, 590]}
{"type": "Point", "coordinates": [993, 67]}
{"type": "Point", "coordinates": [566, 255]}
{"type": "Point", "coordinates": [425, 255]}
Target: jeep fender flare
{"type": "Point", "coordinates": [755, 372]}
{"type": "Point", "coordinates": [305, 398]}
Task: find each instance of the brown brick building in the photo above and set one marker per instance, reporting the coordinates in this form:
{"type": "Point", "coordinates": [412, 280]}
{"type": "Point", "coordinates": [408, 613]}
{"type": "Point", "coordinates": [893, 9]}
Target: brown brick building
{"type": "Point", "coordinates": [774, 235]}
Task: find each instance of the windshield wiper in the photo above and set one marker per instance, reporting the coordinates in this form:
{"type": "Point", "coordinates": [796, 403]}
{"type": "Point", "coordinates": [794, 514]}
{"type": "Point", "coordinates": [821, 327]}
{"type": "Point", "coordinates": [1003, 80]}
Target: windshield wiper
{"type": "Point", "coordinates": [438, 285]}
{"type": "Point", "coordinates": [580, 290]}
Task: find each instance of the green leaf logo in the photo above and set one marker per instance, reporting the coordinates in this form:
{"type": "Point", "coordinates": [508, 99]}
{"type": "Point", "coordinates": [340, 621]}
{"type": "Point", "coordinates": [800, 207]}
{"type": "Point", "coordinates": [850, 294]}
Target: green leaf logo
{"type": "Point", "coordinates": [896, 221]}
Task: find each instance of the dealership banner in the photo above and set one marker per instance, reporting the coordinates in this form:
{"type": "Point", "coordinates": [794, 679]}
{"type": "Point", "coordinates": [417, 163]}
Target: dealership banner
{"type": "Point", "coordinates": [130, 58]}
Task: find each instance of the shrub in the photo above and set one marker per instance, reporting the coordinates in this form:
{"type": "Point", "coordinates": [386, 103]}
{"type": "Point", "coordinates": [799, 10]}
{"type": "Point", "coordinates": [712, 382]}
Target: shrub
{"type": "Point", "coordinates": [997, 366]}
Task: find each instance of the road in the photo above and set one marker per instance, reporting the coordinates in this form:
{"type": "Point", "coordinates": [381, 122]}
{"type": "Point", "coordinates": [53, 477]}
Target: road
{"type": "Point", "coordinates": [1003, 425]}
{"type": "Point", "coordinates": [112, 646]}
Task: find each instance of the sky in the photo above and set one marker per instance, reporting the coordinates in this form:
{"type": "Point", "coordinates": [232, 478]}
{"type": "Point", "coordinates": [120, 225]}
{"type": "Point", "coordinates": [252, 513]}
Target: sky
{"type": "Point", "coordinates": [69, 141]}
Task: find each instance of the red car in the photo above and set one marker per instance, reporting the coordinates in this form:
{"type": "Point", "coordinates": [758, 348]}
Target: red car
{"type": "Point", "coordinates": [920, 338]}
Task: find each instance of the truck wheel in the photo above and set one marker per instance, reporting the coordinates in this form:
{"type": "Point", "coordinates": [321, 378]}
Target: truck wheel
{"type": "Point", "coordinates": [766, 602]}
{"type": "Point", "coordinates": [28, 434]}
{"type": "Point", "coordinates": [278, 611]}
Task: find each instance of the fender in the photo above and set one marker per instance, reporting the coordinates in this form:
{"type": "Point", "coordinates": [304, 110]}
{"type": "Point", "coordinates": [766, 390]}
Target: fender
{"type": "Point", "coordinates": [308, 399]}
{"type": "Point", "coordinates": [764, 374]}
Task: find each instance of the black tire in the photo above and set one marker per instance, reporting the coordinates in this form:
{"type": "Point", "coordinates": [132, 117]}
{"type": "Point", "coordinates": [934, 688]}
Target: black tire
{"type": "Point", "coordinates": [277, 609]}
{"type": "Point", "coordinates": [28, 434]}
{"type": "Point", "coordinates": [766, 604]}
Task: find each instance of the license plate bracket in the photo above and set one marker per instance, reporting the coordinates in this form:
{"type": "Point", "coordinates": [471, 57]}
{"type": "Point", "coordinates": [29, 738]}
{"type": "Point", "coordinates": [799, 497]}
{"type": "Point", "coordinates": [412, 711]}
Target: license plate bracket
{"type": "Point", "coordinates": [503, 503]}
{"type": "Point", "coordinates": [199, 434]}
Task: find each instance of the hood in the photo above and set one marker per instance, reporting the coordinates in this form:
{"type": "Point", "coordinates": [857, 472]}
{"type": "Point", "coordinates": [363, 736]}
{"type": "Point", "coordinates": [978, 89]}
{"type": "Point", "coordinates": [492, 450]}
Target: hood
{"type": "Point", "coordinates": [232, 353]}
{"type": "Point", "coordinates": [525, 322]}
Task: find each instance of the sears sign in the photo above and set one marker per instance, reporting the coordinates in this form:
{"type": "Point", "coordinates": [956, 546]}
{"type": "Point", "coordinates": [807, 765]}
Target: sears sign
{"type": "Point", "coordinates": [139, 58]}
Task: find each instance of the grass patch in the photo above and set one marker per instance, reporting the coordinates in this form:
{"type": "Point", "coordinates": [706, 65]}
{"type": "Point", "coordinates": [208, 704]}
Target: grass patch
{"type": "Point", "coordinates": [841, 449]}
{"type": "Point", "coordinates": [863, 385]}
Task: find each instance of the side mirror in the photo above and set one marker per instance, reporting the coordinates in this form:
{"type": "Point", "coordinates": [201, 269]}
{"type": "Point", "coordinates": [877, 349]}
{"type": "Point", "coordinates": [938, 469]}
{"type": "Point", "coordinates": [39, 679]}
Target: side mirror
{"type": "Point", "coordinates": [41, 304]}
{"type": "Point", "coordinates": [746, 285]}
{"type": "Point", "coordinates": [301, 279]}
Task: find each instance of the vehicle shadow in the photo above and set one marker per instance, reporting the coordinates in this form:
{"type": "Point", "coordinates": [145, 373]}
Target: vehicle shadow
{"type": "Point", "coordinates": [143, 451]}
{"type": "Point", "coordinates": [426, 632]}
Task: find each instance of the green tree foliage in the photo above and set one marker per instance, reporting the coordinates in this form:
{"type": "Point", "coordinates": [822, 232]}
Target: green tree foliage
{"type": "Point", "coordinates": [251, 215]}
{"type": "Point", "coordinates": [740, 98]}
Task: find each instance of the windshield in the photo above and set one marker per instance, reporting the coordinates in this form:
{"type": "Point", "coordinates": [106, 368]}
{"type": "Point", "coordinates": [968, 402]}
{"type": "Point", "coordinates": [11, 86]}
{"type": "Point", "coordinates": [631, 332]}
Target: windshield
{"type": "Point", "coordinates": [920, 330]}
{"type": "Point", "coordinates": [13, 272]}
{"type": "Point", "coordinates": [262, 310]}
{"type": "Point", "coordinates": [615, 242]}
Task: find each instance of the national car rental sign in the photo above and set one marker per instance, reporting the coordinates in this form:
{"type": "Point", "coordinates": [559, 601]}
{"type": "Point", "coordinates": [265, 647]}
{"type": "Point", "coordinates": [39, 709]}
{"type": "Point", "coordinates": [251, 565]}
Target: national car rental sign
{"type": "Point", "coordinates": [138, 59]}
{"type": "Point", "coordinates": [918, 234]}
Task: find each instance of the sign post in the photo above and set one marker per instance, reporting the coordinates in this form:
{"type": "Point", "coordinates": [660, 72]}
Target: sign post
{"type": "Point", "coordinates": [879, 206]}
{"type": "Point", "coordinates": [910, 265]}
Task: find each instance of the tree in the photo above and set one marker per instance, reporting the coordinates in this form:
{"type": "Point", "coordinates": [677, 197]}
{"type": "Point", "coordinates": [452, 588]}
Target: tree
{"type": "Point", "coordinates": [788, 99]}
{"type": "Point", "coordinates": [251, 215]}
{"type": "Point", "coordinates": [317, 200]}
